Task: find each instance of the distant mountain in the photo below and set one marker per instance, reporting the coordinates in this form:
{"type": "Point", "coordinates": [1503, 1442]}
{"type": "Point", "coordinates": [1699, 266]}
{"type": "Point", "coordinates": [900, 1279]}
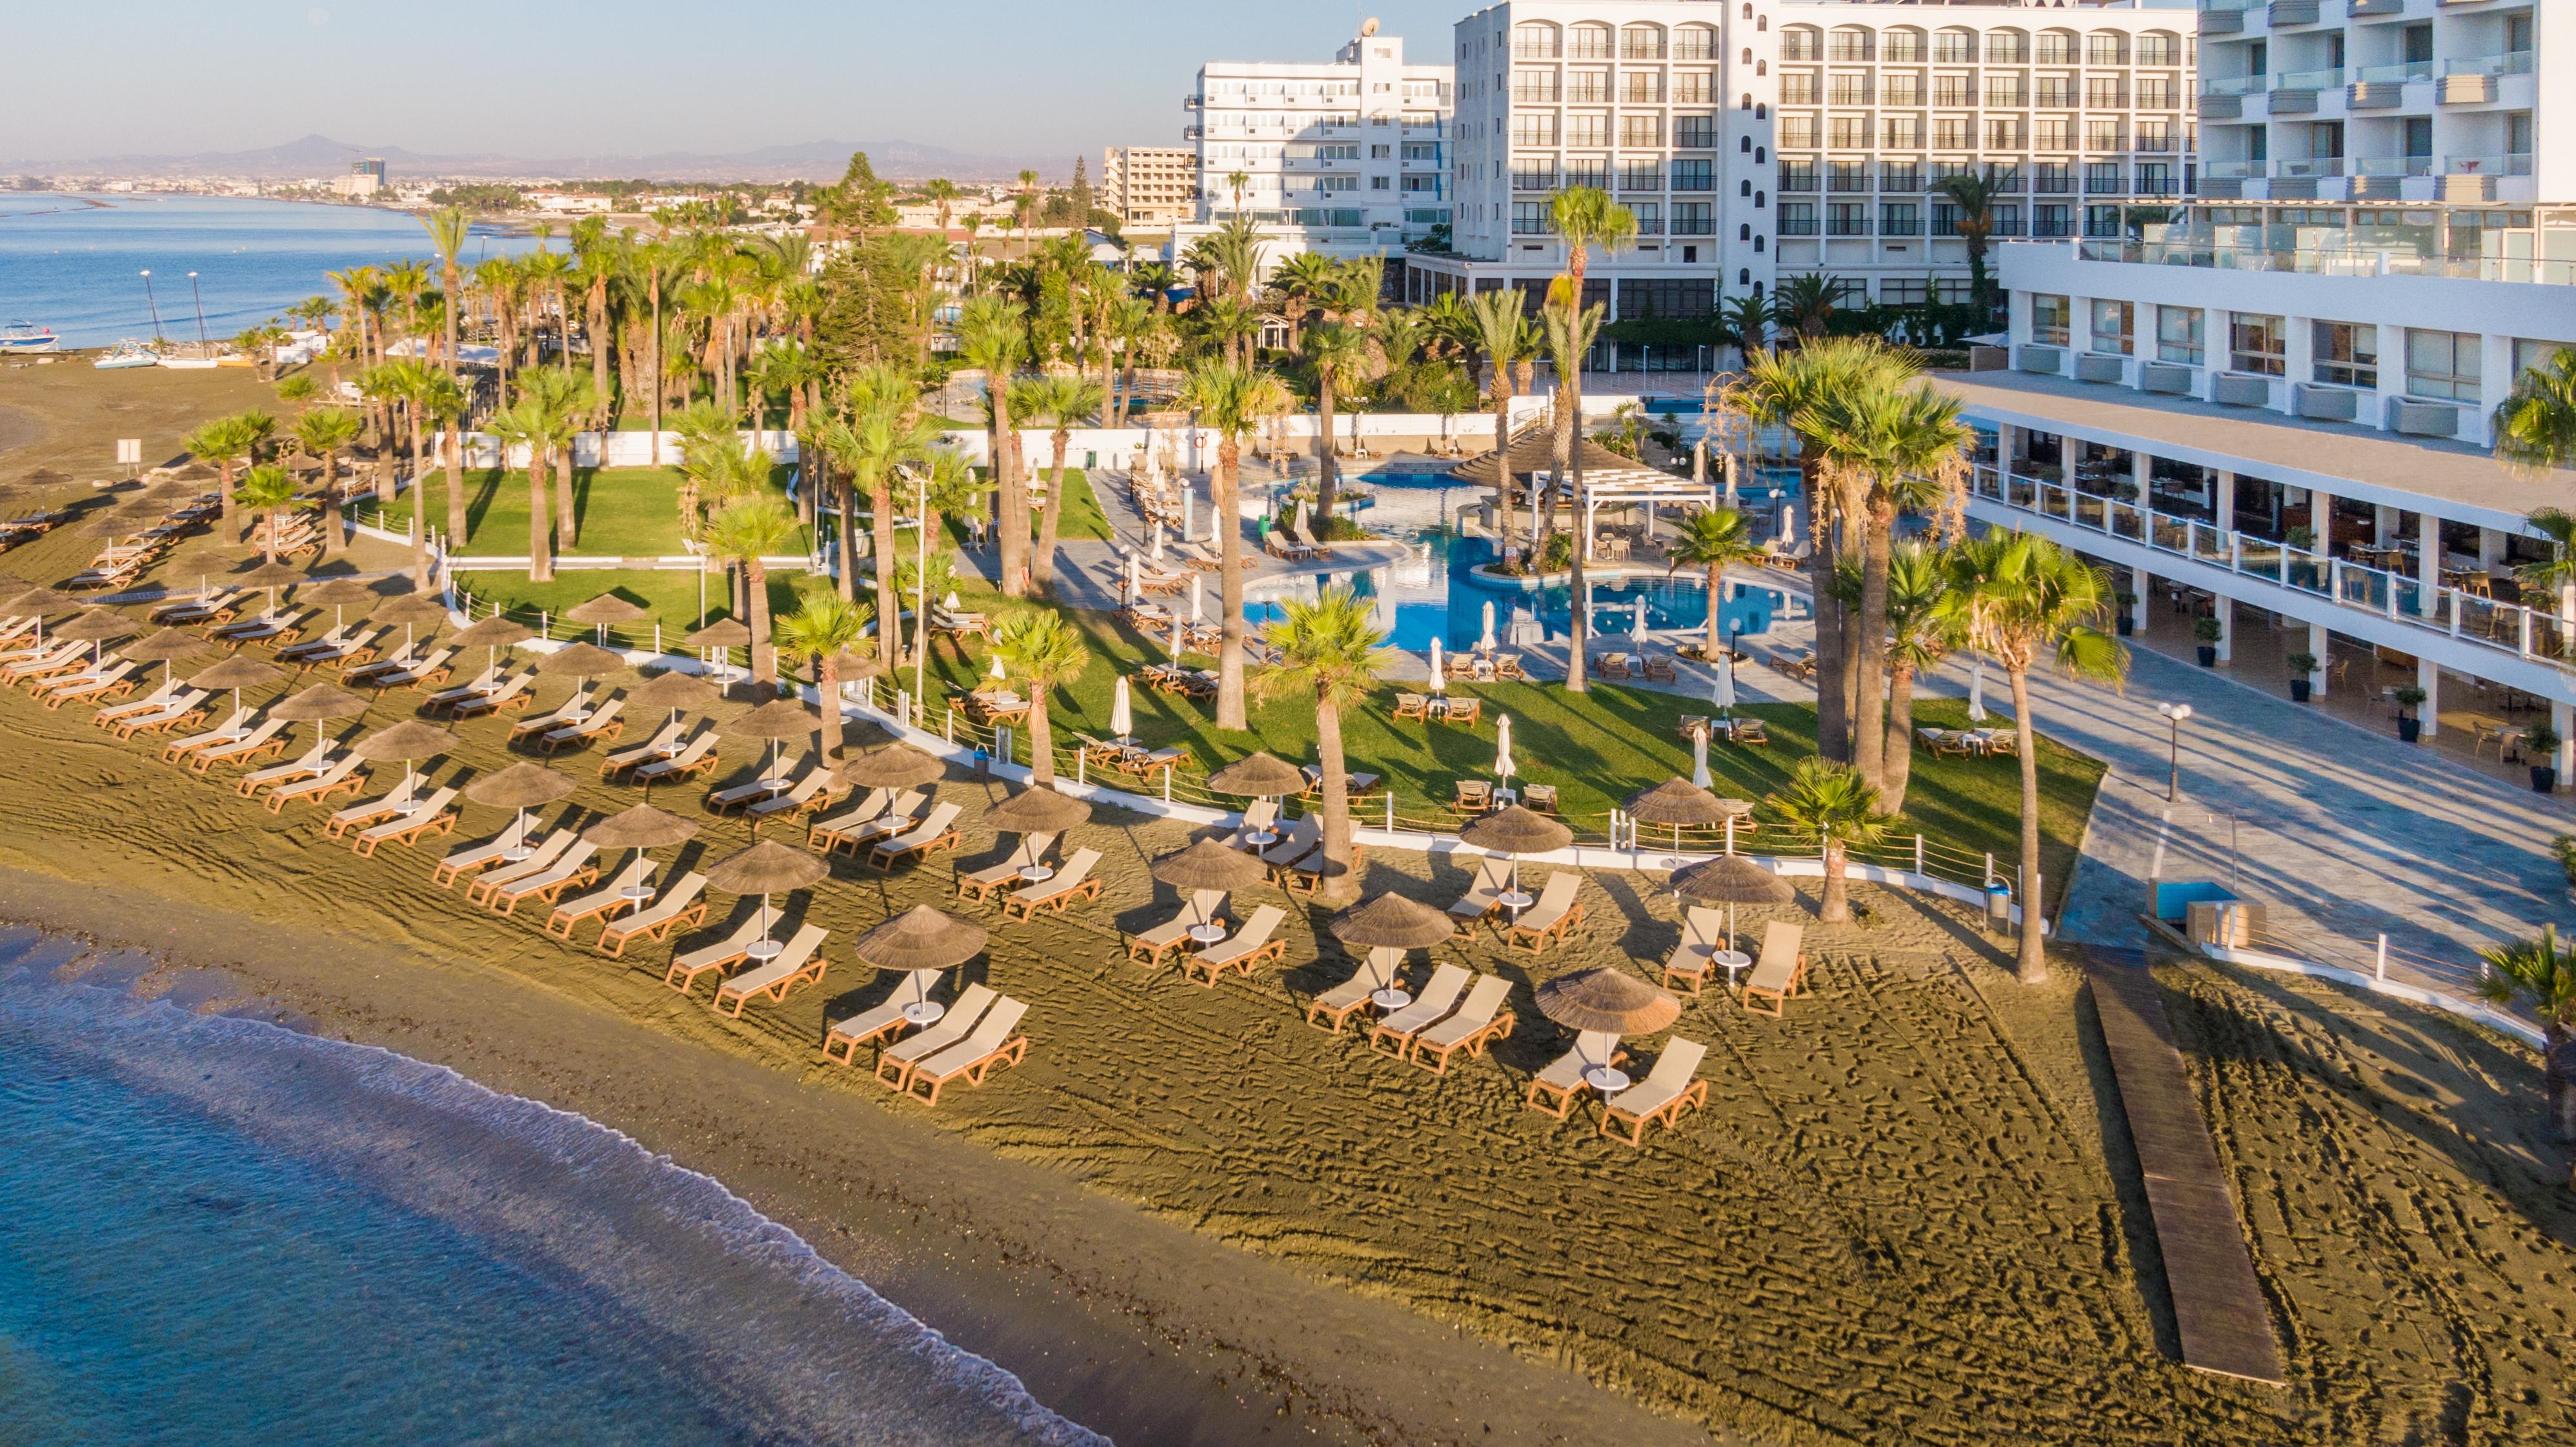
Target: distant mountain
{"type": "Point", "coordinates": [318, 155]}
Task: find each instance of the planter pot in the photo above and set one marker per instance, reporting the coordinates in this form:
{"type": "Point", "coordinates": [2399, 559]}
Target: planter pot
{"type": "Point", "coordinates": [2544, 779]}
{"type": "Point", "coordinates": [2299, 690]}
{"type": "Point", "coordinates": [2209, 655]}
{"type": "Point", "coordinates": [2128, 625]}
{"type": "Point", "coordinates": [2409, 728]}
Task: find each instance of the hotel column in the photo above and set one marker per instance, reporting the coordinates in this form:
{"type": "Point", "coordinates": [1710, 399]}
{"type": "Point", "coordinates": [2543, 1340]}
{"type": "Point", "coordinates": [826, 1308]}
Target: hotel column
{"type": "Point", "coordinates": [2142, 475]}
{"type": "Point", "coordinates": [2428, 677]}
{"type": "Point", "coordinates": [2321, 519]}
{"type": "Point", "coordinates": [2386, 524]}
{"type": "Point", "coordinates": [2490, 548]}
{"type": "Point", "coordinates": [2320, 648]}
{"type": "Point", "coordinates": [2225, 607]}
{"type": "Point", "coordinates": [2562, 722]}
{"type": "Point", "coordinates": [2141, 583]}
{"type": "Point", "coordinates": [2428, 564]}
{"type": "Point", "coordinates": [2226, 501]}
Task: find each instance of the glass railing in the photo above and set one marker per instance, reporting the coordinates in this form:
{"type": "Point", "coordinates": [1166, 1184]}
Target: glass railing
{"type": "Point", "coordinates": [2233, 85]}
{"type": "Point", "coordinates": [2232, 170]}
{"type": "Point", "coordinates": [2413, 70]}
{"type": "Point", "coordinates": [2330, 261]}
{"type": "Point", "coordinates": [2312, 166]}
{"type": "Point", "coordinates": [2393, 166]}
{"type": "Point", "coordinates": [2509, 165]}
{"type": "Point", "coordinates": [2510, 62]}
{"type": "Point", "coordinates": [2309, 80]}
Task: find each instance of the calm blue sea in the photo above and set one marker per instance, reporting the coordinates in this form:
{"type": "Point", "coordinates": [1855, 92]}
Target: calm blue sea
{"type": "Point", "coordinates": [215, 1230]}
{"type": "Point", "coordinates": [74, 263]}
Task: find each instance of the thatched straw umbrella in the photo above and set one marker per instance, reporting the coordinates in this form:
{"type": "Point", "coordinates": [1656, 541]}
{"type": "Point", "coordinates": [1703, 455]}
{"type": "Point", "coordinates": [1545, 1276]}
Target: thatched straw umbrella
{"type": "Point", "coordinates": [921, 938]}
{"type": "Point", "coordinates": [896, 766]}
{"type": "Point", "coordinates": [522, 786]}
{"type": "Point", "coordinates": [1607, 999]}
{"type": "Point", "coordinates": [1258, 776]}
{"type": "Point", "coordinates": [1391, 922]}
{"type": "Point", "coordinates": [1680, 803]}
{"type": "Point", "coordinates": [640, 828]}
{"type": "Point", "coordinates": [1035, 811]}
{"type": "Point", "coordinates": [778, 720]}
{"type": "Point", "coordinates": [165, 648]}
{"type": "Point", "coordinates": [408, 741]}
{"type": "Point", "coordinates": [414, 611]}
{"type": "Point", "coordinates": [602, 611]}
{"type": "Point", "coordinates": [580, 662]}
{"type": "Point", "coordinates": [39, 602]}
{"type": "Point", "coordinates": [492, 635]}
{"type": "Point", "coordinates": [318, 704]}
{"type": "Point", "coordinates": [716, 637]}
{"type": "Point", "coordinates": [674, 691]}
{"type": "Point", "coordinates": [237, 673]}
{"type": "Point", "coordinates": [1730, 881]}
{"type": "Point", "coordinates": [764, 869]}
{"type": "Point", "coordinates": [1517, 831]}
{"type": "Point", "coordinates": [1210, 864]}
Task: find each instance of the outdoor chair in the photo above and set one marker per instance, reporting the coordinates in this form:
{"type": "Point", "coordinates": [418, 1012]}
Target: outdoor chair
{"type": "Point", "coordinates": [1780, 972]}
{"type": "Point", "coordinates": [1668, 1090]}
{"type": "Point", "coordinates": [1477, 1023]}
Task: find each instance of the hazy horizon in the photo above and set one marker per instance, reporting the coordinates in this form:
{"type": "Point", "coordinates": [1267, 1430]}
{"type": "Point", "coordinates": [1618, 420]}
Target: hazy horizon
{"type": "Point", "coordinates": [1005, 78]}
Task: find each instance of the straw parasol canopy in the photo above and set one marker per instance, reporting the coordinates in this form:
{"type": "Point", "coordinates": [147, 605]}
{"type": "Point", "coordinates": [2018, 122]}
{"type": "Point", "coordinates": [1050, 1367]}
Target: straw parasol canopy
{"type": "Point", "coordinates": [165, 645]}
{"type": "Point", "coordinates": [1210, 864]}
{"type": "Point", "coordinates": [523, 785]}
{"type": "Point", "coordinates": [1535, 451]}
{"type": "Point", "coordinates": [40, 600]}
{"type": "Point", "coordinates": [96, 626]}
{"type": "Point", "coordinates": [778, 719]}
{"type": "Point", "coordinates": [767, 868]}
{"type": "Point", "coordinates": [408, 740]}
{"type": "Point", "coordinates": [921, 938]}
{"type": "Point", "coordinates": [1258, 776]}
{"type": "Point", "coordinates": [896, 766]}
{"type": "Point", "coordinates": [1733, 879]}
{"type": "Point", "coordinates": [272, 575]}
{"type": "Point", "coordinates": [47, 477]}
{"type": "Point", "coordinates": [1037, 811]}
{"type": "Point", "coordinates": [1390, 921]}
{"type": "Point", "coordinates": [642, 827]}
{"type": "Point", "coordinates": [723, 633]}
{"type": "Point", "coordinates": [1607, 999]}
{"type": "Point", "coordinates": [413, 609]}
{"type": "Point", "coordinates": [493, 632]}
{"type": "Point", "coordinates": [1517, 830]}
{"type": "Point", "coordinates": [320, 702]}
{"type": "Point", "coordinates": [1678, 802]}
{"type": "Point", "coordinates": [237, 673]}
{"type": "Point", "coordinates": [605, 609]}
{"type": "Point", "coordinates": [196, 472]}
{"type": "Point", "coordinates": [672, 690]}
{"type": "Point", "coordinates": [343, 592]}
{"type": "Point", "coordinates": [579, 660]}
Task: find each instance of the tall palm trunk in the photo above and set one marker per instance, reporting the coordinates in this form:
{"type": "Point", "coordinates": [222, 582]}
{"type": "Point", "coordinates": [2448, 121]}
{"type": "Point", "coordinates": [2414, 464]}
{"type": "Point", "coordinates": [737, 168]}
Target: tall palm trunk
{"type": "Point", "coordinates": [1869, 719]}
{"type": "Point", "coordinates": [764, 654]}
{"type": "Point", "coordinates": [419, 512]}
{"type": "Point", "coordinates": [330, 502]}
{"type": "Point", "coordinates": [541, 562]}
{"type": "Point", "coordinates": [1050, 517]}
{"type": "Point", "coordinates": [455, 448]}
{"type": "Point", "coordinates": [1502, 391]}
{"type": "Point", "coordinates": [227, 511]}
{"type": "Point", "coordinates": [845, 499]}
{"type": "Point", "coordinates": [1833, 719]}
{"type": "Point", "coordinates": [1576, 662]}
{"type": "Point", "coordinates": [1041, 739]}
{"type": "Point", "coordinates": [567, 518]}
{"type": "Point", "coordinates": [1833, 906]}
{"type": "Point", "coordinates": [598, 328]}
{"type": "Point", "coordinates": [2032, 959]}
{"type": "Point", "coordinates": [1328, 468]}
{"type": "Point", "coordinates": [889, 616]}
{"type": "Point", "coordinates": [388, 437]}
{"type": "Point", "coordinates": [1229, 532]}
{"type": "Point", "coordinates": [1010, 495]}
{"type": "Point", "coordinates": [1340, 883]}
{"type": "Point", "coordinates": [827, 689]}
{"type": "Point", "coordinates": [1897, 748]}
{"type": "Point", "coordinates": [653, 285]}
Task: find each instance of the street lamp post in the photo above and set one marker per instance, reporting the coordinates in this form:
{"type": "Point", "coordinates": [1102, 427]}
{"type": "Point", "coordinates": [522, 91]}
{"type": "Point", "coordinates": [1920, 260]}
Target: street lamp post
{"type": "Point", "coordinates": [155, 303]}
{"type": "Point", "coordinates": [2174, 714]}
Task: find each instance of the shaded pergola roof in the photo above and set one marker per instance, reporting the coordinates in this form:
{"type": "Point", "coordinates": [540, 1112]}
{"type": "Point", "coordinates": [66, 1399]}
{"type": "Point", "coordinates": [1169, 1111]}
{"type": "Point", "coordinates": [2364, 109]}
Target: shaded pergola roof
{"type": "Point", "coordinates": [1535, 451]}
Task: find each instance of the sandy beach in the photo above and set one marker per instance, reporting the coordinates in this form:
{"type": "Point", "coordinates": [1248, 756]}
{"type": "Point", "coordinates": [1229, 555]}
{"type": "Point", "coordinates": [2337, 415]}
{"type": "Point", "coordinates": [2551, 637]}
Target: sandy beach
{"type": "Point", "coordinates": [1910, 1212]}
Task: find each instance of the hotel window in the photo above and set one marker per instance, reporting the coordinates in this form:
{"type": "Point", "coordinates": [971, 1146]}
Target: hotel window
{"type": "Point", "coordinates": [1797, 133]}
{"type": "Point", "coordinates": [2050, 133]}
{"type": "Point", "coordinates": [1945, 218]}
{"type": "Point", "coordinates": [2254, 344]}
{"type": "Point", "coordinates": [2049, 319]}
{"type": "Point", "coordinates": [2052, 178]}
{"type": "Point", "coordinates": [1797, 175]}
{"type": "Point", "coordinates": [2101, 178]}
{"type": "Point", "coordinates": [1695, 132]}
{"type": "Point", "coordinates": [1848, 90]}
{"type": "Point", "coordinates": [1641, 175]}
{"type": "Point", "coordinates": [1951, 133]}
{"type": "Point", "coordinates": [2159, 49]}
{"type": "Point", "coordinates": [2056, 47]}
{"type": "Point", "coordinates": [2007, 218]}
{"type": "Point", "coordinates": [1904, 291]}
{"type": "Point", "coordinates": [1529, 86]}
{"type": "Point", "coordinates": [1641, 87]}
{"type": "Point", "coordinates": [2005, 92]}
{"type": "Point", "coordinates": [1591, 42]}
{"type": "Point", "coordinates": [1849, 133]}
{"type": "Point", "coordinates": [1902, 133]}
{"type": "Point", "coordinates": [2007, 47]}
{"type": "Point", "coordinates": [2155, 178]}
{"type": "Point", "coordinates": [2104, 135]}
{"type": "Point", "coordinates": [1587, 128]}
{"type": "Point", "coordinates": [1903, 47]}
{"type": "Point", "coordinates": [1849, 43]}
{"type": "Point", "coordinates": [1954, 90]}
{"type": "Point", "coordinates": [1536, 173]}
{"type": "Point", "coordinates": [2159, 93]}
{"type": "Point", "coordinates": [1846, 218]}
{"type": "Point", "coordinates": [2102, 222]}
{"type": "Point", "coordinates": [2103, 47]}
{"type": "Point", "coordinates": [2443, 364]}
{"type": "Point", "coordinates": [1644, 133]}
{"type": "Point", "coordinates": [1592, 171]}
{"type": "Point", "coordinates": [1800, 43]}
{"type": "Point", "coordinates": [1694, 87]}
{"type": "Point", "coordinates": [2105, 93]}
{"type": "Point", "coordinates": [1650, 217]}
{"type": "Point", "coordinates": [2051, 221]}
{"type": "Point", "coordinates": [1798, 88]}
{"type": "Point", "coordinates": [1533, 42]}
{"type": "Point", "coordinates": [2155, 135]}
{"type": "Point", "coordinates": [2180, 335]}
{"type": "Point", "coordinates": [2347, 355]}
{"type": "Point", "coordinates": [1642, 42]}
{"type": "Point", "coordinates": [1588, 87]}
{"type": "Point", "coordinates": [1694, 218]}
{"type": "Point", "coordinates": [1900, 176]}
{"type": "Point", "coordinates": [1847, 176]}
{"type": "Point", "coordinates": [1797, 218]}
{"type": "Point", "coordinates": [2531, 355]}
{"type": "Point", "coordinates": [1694, 175]}
{"type": "Point", "coordinates": [1535, 128]}
{"type": "Point", "coordinates": [1337, 183]}
{"type": "Point", "coordinates": [1902, 90]}
{"type": "Point", "coordinates": [1955, 47]}
{"type": "Point", "coordinates": [2054, 90]}
{"type": "Point", "coordinates": [2006, 135]}
{"type": "Point", "coordinates": [1532, 218]}
{"type": "Point", "coordinates": [1694, 42]}
{"type": "Point", "coordinates": [2114, 326]}
{"type": "Point", "coordinates": [1899, 218]}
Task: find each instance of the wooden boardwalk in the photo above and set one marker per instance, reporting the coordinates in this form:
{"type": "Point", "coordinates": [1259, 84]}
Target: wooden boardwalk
{"type": "Point", "coordinates": [2218, 1304]}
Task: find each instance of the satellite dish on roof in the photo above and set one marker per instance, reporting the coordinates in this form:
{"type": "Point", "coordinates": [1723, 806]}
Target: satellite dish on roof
{"type": "Point", "coordinates": [1368, 27]}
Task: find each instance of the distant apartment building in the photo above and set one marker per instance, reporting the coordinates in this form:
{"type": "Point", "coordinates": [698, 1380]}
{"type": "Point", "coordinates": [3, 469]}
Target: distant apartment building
{"type": "Point", "coordinates": [568, 203]}
{"type": "Point", "coordinates": [365, 178]}
{"type": "Point", "coordinates": [1348, 157]}
{"type": "Point", "coordinates": [1150, 185]}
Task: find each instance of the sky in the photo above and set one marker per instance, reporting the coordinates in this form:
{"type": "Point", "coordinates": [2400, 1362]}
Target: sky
{"type": "Point", "coordinates": [553, 78]}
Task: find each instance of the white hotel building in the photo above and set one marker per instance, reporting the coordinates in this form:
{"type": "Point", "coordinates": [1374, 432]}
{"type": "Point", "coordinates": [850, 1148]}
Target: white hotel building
{"type": "Point", "coordinates": [2277, 412]}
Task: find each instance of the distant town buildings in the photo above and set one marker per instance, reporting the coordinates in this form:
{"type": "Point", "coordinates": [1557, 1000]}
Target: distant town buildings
{"type": "Point", "coordinates": [366, 178]}
{"type": "Point", "coordinates": [1150, 185]}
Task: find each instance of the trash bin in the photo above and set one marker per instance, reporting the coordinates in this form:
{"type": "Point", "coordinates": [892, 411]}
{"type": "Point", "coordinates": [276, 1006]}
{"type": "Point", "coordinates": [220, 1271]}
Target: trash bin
{"type": "Point", "coordinates": [1998, 906]}
{"type": "Point", "coordinates": [983, 762]}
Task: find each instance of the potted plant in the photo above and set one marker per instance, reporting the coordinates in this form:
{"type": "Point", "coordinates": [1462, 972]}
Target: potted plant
{"type": "Point", "coordinates": [2127, 613]}
{"type": "Point", "coordinates": [2540, 749]}
{"type": "Point", "coordinates": [2207, 631]}
{"type": "Point", "coordinates": [2409, 727]}
{"type": "Point", "coordinates": [2303, 668]}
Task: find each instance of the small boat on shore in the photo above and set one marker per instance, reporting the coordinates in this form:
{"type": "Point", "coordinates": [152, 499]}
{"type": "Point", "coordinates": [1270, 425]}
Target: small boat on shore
{"type": "Point", "coordinates": [128, 354]}
{"type": "Point", "coordinates": [27, 337]}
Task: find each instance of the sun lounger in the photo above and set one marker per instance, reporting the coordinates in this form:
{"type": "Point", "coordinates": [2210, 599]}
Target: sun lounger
{"type": "Point", "coordinates": [552, 847]}
{"type": "Point", "coordinates": [1688, 966]}
{"type": "Point", "coordinates": [367, 811]}
{"type": "Point", "coordinates": [673, 907]}
{"type": "Point", "coordinates": [115, 677]}
{"type": "Point", "coordinates": [992, 1044]}
{"type": "Point", "coordinates": [343, 777]}
{"type": "Point", "coordinates": [857, 827]}
{"type": "Point", "coordinates": [354, 647]}
{"type": "Point", "coordinates": [725, 801]}
{"type": "Point", "coordinates": [1479, 1022]}
{"type": "Point", "coordinates": [603, 723]}
{"type": "Point", "coordinates": [665, 742]}
{"type": "Point", "coordinates": [1485, 895]}
{"type": "Point", "coordinates": [107, 714]}
{"type": "Point", "coordinates": [698, 758]}
{"type": "Point", "coordinates": [1031, 850]}
{"type": "Point", "coordinates": [125, 722]}
{"type": "Point", "coordinates": [895, 1062]}
{"type": "Point", "coordinates": [1203, 907]}
{"type": "Point", "coordinates": [731, 950]}
{"type": "Point", "coordinates": [220, 608]}
{"type": "Point", "coordinates": [1247, 947]}
{"type": "Point", "coordinates": [841, 1043]}
{"type": "Point", "coordinates": [936, 832]}
{"type": "Point", "coordinates": [1070, 883]}
{"type": "Point", "coordinates": [1779, 973]}
{"type": "Point", "coordinates": [465, 861]}
{"type": "Point", "coordinates": [428, 670]}
{"type": "Point", "coordinates": [1302, 838]}
{"type": "Point", "coordinates": [366, 673]}
{"type": "Point", "coordinates": [802, 962]}
{"type": "Point", "coordinates": [434, 814]}
{"type": "Point", "coordinates": [273, 628]}
{"type": "Point", "coordinates": [871, 806]}
{"type": "Point", "coordinates": [1395, 1030]}
{"type": "Point", "coordinates": [571, 870]}
{"type": "Point", "coordinates": [1259, 817]}
{"type": "Point", "coordinates": [59, 658]}
{"type": "Point", "coordinates": [606, 899]}
{"type": "Point", "coordinates": [315, 760]}
{"type": "Point", "coordinates": [563, 713]}
{"type": "Point", "coordinates": [289, 652]}
{"type": "Point", "coordinates": [1557, 911]}
{"type": "Point", "coordinates": [808, 795]}
{"type": "Point", "coordinates": [512, 693]}
{"type": "Point", "coordinates": [1660, 1099]}
{"type": "Point", "coordinates": [267, 738]}
{"type": "Point", "coordinates": [1329, 1009]}
{"type": "Point", "coordinates": [232, 727]}
{"type": "Point", "coordinates": [1552, 1091]}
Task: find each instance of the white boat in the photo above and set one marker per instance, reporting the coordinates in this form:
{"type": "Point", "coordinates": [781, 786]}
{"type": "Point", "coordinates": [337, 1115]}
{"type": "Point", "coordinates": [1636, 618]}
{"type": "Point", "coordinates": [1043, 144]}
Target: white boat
{"type": "Point", "coordinates": [128, 354]}
{"type": "Point", "coordinates": [27, 337]}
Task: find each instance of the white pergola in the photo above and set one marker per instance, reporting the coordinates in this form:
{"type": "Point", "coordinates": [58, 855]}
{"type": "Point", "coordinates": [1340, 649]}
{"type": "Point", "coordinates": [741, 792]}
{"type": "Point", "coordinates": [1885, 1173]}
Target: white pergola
{"type": "Point", "coordinates": [1630, 484]}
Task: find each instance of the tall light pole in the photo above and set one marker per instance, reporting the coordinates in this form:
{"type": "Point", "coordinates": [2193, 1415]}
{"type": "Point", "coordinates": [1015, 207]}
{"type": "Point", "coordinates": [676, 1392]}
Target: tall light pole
{"type": "Point", "coordinates": [155, 303]}
{"type": "Point", "coordinates": [2174, 714]}
{"type": "Point", "coordinates": [199, 299]}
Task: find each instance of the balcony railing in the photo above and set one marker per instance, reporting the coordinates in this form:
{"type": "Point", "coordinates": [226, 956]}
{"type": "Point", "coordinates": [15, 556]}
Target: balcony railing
{"type": "Point", "coordinates": [2309, 80]}
{"type": "Point", "coordinates": [2509, 165]}
{"type": "Point", "coordinates": [2312, 166]}
{"type": "Point", "coordinates": [2393, 166]}
{"type": "Point", "coordinates": [2408, 73]}
{"type": "Point", "coordinates": [2510, 62]}
{"type": "Point", "coordinates": [2329, 260]}
{"type": "Point", "coordinates": [2399, 598]}
{"type": "Point", "coordinates": [2230, 85]}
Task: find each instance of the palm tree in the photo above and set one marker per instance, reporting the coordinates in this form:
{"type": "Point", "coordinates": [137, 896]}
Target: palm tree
{"type": "Point", "coordinates": [1974, 198]}
{"type": "Point", "coordinates": [448, 228]}
{"type": "Point", "coordinates": [1342, 358]}
{"type": "Point", "coordinates": [884, 432]}
{"type": "Point", "coordinates": [268, 490]}
{"type": "Point", "coordinates": [446, 403]}
{"type": "Point", "coordinates": [1585, 217]}
{"type": "Point", "coordinates": [2554, 575]}
{"type": "Point", "coordinates": [1714, 538]}
{"type": "Point", "coordinates": [1745, 320]}
{"type": "Point", "coordinates": [1302, 283]}
{"type": "Point", "coordinates": [823, 628]}
{"type": "Point", "coordinates": [2535, 428]}
{"type": "Point", "coordinates": [526, 423]}
{"type": "Point", "coordinates": [565, 400]}
{"type": "Point", "coordinates": [1804, 304]}
{"type": "Point", "coordinates": [992, 333]}
{"type": "Point", "coordinates": [2543, 974]}
{"type": "Point", "coordinates": [1840, 808]}
{"type": "Point", "coordinates": [2014, 596]}
{"type": "Point", "coordinates": [1507, 337]}
{"type": "Point", "coordinates": [743, 535]}
{"type": "Point", "coordinates": [1569, 335]}
{"type": "Point", "coordinates": [1918, 638]}
{"type": "Point", "coordinates": [1060, 400]}
{"type": "Point", "coordinates": [223, 443]}
{"type": "Point", "coordinates": [322, 432]}
{"type": "Point", "coordinates": [1050, 652]}
{"type": "Point", "coordinates": [1327, 649]}
{"type": "Point", "coordinates": [1782, 388]}
{"type": "Point", "coordinates": [1235, 401]}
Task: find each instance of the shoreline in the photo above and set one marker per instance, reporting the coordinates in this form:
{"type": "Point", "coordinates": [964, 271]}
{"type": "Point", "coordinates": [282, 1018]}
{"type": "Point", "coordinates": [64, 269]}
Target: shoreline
{"type": "Point", "coordinates": [1133, 1326]}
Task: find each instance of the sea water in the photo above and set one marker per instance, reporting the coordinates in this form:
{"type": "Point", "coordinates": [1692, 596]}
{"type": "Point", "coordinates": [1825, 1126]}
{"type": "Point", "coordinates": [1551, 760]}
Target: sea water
{"type": "Point", "coordinates": [75, 263]}
{"type": "Point", "coordinates": [218, 1230]}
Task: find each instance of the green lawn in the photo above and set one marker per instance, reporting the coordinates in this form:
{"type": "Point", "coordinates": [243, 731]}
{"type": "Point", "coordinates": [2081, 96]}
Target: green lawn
{"type": "Point", "coordinates": [672, 597]}
{"type": "Point", "coordinates": [622, 512]}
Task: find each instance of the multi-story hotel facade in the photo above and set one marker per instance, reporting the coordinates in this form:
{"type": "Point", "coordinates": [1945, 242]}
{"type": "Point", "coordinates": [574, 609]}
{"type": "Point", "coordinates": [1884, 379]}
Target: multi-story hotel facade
{"type": "Point", "coordinates": [1150, 185]}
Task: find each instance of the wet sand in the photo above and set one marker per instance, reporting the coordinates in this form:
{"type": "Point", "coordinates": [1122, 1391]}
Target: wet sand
{"type": "Point", "coordinates": [67, 415]}
{"type": "Point", "coordinates": [1909, 1213]}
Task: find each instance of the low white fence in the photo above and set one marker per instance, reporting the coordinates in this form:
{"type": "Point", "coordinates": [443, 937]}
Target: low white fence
{"type": "Point", "coordinates": [611, 449]}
